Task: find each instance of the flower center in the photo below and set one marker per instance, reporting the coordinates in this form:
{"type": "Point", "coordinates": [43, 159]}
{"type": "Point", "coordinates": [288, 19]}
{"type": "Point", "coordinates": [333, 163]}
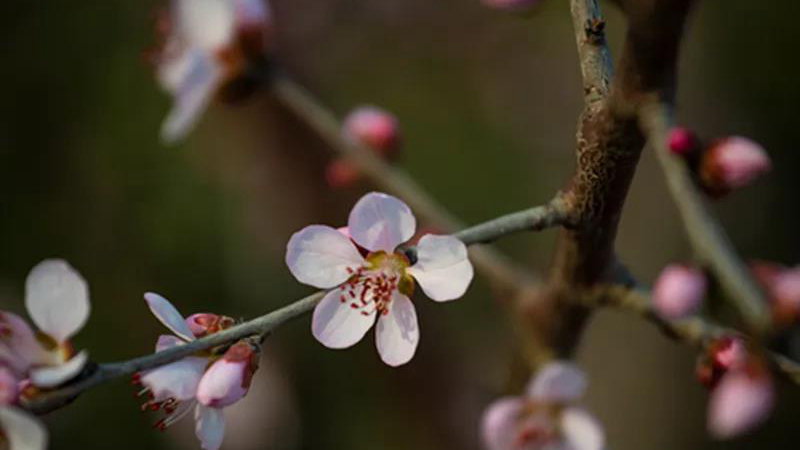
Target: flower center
{"type": "Point", "coordinates": [371, 286]}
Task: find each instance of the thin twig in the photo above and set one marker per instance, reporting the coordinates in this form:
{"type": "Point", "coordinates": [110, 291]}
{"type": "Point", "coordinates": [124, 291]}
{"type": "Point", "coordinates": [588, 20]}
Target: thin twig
{"type": "Point", "coordinates": [594, 55]}
{"type": "Point", "coordinates": [707, 237]}
{"type": "Point", "coordinates": [531, 219]}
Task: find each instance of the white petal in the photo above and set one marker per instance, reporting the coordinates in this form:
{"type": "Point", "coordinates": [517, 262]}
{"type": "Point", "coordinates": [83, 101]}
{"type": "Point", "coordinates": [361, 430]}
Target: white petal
{"type": "Point", "coordinates": [176, 380]}
{"type": "Point", "coordinates": [166, 341]}
{"type": "Point", "coordinates": [201, 77]}
{"type": "Point", "coordinates": [397, 332]}
{"type": "Point", "coordinates": [381, 222]}
{"type": "Point", "coordinates": [52, 376]}
{"type": "Point", "coordinates": [320, 256]}
{"type": "Point", "coordinates": [57, 299]}
{"type": "Point", "coordinates": [168, 315]}
{"type": "Point", "coordinates": [23, 431]}
{"type": "Point", "coordinates": [209, 426]}
{"type": "Point", "coordinates": [558, 382]}
{"type": "Point", "coordinates": [499, 423]}
{"type": "Point", "coordinates": [443, 269]}
{"type": "Point", "coordinates": [582, 430]}
{"type": "Point", "coordinates": [208, 24]}
{"type": "Point", "coordinates": [338, 325]}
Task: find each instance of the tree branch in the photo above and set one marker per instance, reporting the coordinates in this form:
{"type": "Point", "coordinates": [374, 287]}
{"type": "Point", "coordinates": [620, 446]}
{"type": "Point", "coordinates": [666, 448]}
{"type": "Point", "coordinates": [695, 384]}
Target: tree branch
{"type": "Point", "coordinates": [532, 219]}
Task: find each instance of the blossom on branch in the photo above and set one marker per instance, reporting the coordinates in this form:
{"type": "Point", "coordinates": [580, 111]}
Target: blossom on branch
{"type": "Point", "coordinates": [203, 383]}
{"type": "Point", "coordinates": [679, 291]}
{"type": "Point", "coordinates": [20, 430]}
{"type": "Point", "coordinates": [371, 278]}
{"type": "Point", "coordinates": [546, 417]}
{"type": "Point", "coordinates": [732, 163]}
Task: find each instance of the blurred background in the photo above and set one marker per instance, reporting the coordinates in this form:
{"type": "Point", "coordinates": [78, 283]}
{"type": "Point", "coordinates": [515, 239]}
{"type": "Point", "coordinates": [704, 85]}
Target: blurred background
{"type": "Point", "coordinates": [487, 103]}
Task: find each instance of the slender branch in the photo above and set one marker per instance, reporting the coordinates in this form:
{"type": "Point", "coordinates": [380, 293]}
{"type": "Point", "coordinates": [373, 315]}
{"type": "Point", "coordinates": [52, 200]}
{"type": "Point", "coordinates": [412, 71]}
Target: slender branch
{"type": "Point", "coordinates": [532, 219]}
{"type": "Point", "coordinates": [321, 119]}
{"type": "Point", "coordinates": [707, 237]}
{"type": "Point", "coordinates": [594, 56]}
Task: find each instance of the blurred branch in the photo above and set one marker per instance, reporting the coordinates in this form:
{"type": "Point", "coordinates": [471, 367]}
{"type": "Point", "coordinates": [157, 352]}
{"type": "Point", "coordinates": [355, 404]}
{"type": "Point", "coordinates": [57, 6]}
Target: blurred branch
{"type": "Point", "coordinates": [496, 266]}
{"type": "Point", "coordinates": [531, 219]}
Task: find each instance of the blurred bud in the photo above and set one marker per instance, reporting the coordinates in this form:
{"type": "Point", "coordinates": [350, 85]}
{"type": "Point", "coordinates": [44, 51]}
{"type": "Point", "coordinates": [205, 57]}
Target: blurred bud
{"type": "Point", "coordinates": [728, 353]}
{"type": "Point", "coordinates": [374, 128]}
{"type": "Point", "coordinates": [782, 285]}
{"type": "Point", "coordinates": [732, 163]}
{"type": "Point", "coordinates": [681, 141]}
{"type": "Point", "coordinates": [340, 173]}
{"type": "Point", "coordinates": [228, 379]}
{"type": "Point", "coordinates": [203, 324]}
{"type": "Point", "coordinates": [679, 291]}
{"type": "Point", "coordinates": [9, 389]}
{"type": "Point", "coordinates": [742, 400]}
{"type": "Point", "coordinates": [512, 5]}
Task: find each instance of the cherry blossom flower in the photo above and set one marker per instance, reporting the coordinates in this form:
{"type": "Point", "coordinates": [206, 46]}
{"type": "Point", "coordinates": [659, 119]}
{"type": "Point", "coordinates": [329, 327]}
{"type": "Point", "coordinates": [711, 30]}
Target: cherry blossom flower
{"type": "Point", "coordinates": [203, 384]}
{"type": "Point", "coordinates": [57, 299]}
{"type": "Point", "coordinates": [679, 291]}
{"type": "Point", "coordinates": [546, 417]}
{"type": "Point", "coordinates": [722, 355]}
{"type": "Point", "coordinates": [380, 284]}
{"type": "Point", "coordinates": [732, 163]}
{"type": "Point", "coordinates": [20, 430]}
{"type": "Point", "coordinates": [741, 401]}
{"type": "Point", "coordinates": [209, 43]}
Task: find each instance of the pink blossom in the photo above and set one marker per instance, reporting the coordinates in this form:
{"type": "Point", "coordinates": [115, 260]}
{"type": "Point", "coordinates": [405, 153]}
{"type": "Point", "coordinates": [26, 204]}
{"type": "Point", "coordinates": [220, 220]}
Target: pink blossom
{"type": "Point", "coordinates": [9, 390]}
{"type": "Point", "coordinates": [733, 163]}
{"type": "Point", "coordinates": [228, 380]}
{"type": "Point", "coordinates": [723, 355]}
{"type": "Point", "coordinates": [742, 400]}
{"type": "Point", "coordinates": [681, 141]}
{"type": "Point", "coordinates": [21, 431]}
{"type": "Point", "coordinates": [679, 291]}
{"type": "Point", "coordinates": [378, 286]}
{"type": "Point", "coordinates": [546, 417]}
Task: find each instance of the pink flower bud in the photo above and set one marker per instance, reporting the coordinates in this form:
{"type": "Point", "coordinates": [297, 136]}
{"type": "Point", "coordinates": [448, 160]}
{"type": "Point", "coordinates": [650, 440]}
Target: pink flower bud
{"type": "Point", "coordinates": [228, 380]}
{"type": "Point", "coordinates": [512, 5]}
{"type": "Point", "coordinates": [782, 284]}
{"type": "Point", "coordinates": [203, 324]}
{"type": "Point", "coordinates": [728, 353]}
{"type": "Point", "coordinates": [679, 291]}
{"type": "Point", "coordinates": [681, 141]}
{"type": "Point", "coordinates": [732, 163]}
{"type": "Point", "coordinates": [341, 173]}
{"type": "Point", "coordinates": [374, 128]}
{"type": "Point", "coordinates": [9, 390]}
{"type": "Point", "coordinates": [742, 400]}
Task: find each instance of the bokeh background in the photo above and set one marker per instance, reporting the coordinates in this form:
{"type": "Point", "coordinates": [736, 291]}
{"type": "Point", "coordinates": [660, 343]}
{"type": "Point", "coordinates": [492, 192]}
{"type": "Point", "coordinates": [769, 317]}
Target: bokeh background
{"type": "Point", "coordinates": [487, 103]}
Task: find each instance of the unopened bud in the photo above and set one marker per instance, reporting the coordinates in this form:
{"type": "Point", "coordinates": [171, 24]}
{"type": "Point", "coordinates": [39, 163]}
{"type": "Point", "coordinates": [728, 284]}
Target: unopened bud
{"type": "Point", "coordinates": [228, 380]}
{"type": "Point", "coordinates": [681, 141]}
{"type": "Point", "coordinates": [782, 285]}
{"type": "Point", "coordinates": [679, 291]}
{"type": "Point", "coordinates": [340, 173]}
{"type": "Point", "coordinates": [732, 163]}
{"type": "Point", "coordinates": [742, 400]}
{"type": "Point", "coordinates": [374, 128]}
{"type": "Point", "coordinates": [203, 324]}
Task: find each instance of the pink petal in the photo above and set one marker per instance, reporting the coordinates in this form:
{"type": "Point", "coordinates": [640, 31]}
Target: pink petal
{"type": "Point", "coordinates": [18, 345]}
{"type": "Point", "coordinates": [558, 382]}
{"type": "Point", "coordinates": [168, 315]}
{"type": "Point", "coordinates": [679, 291]}
{"type": "Point", "coordinates": [397, 332]}
{"type": "Point", "coordinates": [22, 430]}
{"type": "Point", "coordinates": [228, 380]}
{"type": "Point", "coordinates": [176, 380]}
{"type": "Point", "coordinates": [739, 403]}
{"type": "Point", "coordinates": [581, 430]}
{"type": "Point", "coordinates": [381, 222]}
{"type": "Point", "coordinates": [443, 269]}
{"type": "Point", "coordinates": [57, 299]}
{"type": "Point", "coordinates": [338, 325]}
{"type": "Point", "coordinates": [52, 376]}
{"type": "Point", "coordinates": [9, 391]}
{"type": "Point", "coordinates": [209, 426]}
{"type": "Point", "coordinates": [252, 12]}
{"type": "Point", "coordinates": [499, 423]}
{"type": "Point", "coordinates": [321, 257]}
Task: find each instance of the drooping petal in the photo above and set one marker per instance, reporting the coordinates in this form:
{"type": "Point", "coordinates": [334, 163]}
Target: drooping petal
{"type": "Point", "coordinates": [321, 256]}
{"type": "Point", "coordinates": [581, 430]}
{"type": "Point", "coordinates": [195, 77]}
{"type": "Point", "coordinates": [397, 332]}
{"type": "Point", "coordinates": [381, 222]}
{"type": "Point", "coordinates": [443, 269]}
{"type": "Point", "coordinates": [499, 423]}
{"type": "Point", "coordinates": [209, 426]}
{"type": "Point", "coordinates": [228, 380]}
{"type": "Point", "coordinates": [18, 345]}
{"type": "Point", "coordinates": [166, 313]}
{"type": "Point", "coordinates": [52, 376]}
{"type": "Point", "coordinates": [176, 380]}
{"type": "Point", "coordinates": [558, 382]}
{"type": "Point", "coordinates": [338, 325]}
{"type": "Point", "coordinates": [166, 341]}
{"type": "Point", "coordinates": [22, 430]}
{"type": "Point", "coordinates": [208, 24]}
{"type": "Point", "coordinates": [739, 403]}
{"type": "Point", "coordinates": [57, 299]}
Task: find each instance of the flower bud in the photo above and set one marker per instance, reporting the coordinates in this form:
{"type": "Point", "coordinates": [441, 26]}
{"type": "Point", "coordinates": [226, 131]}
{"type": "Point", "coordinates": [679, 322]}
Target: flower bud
{"type": "Point", "coordinates": [679, 291]}
{"type": "Point", "coordinates": [782, 285]}
{"type": "Point", "coordinates": [228, 380]}
{"type": "Point", "coordinates": [512, 5]}
{"type": "Point", "coordinates": [340, 173]}
{"type": "Point", "coordinates": [374, 128]}
{"type": "Point", "coordinates": [742, 400]}
{"type": "Point", "coordinates": [681, 141]}
{"type": "Point", "coordinates": [9, 389]}
{"type": "Point", "coordinates": [203, 324]}
{"type": "Point", "coordinates": [732, 163]}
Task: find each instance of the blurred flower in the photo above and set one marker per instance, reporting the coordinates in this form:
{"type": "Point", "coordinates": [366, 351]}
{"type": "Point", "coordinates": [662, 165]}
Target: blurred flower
{"type": "Point", "coordinates": [380, 284]}
{"type": "Point", "coordinates": [371, 127]}
{"type": "Point", "coordinates": [722, 355]}
{"type": "Point", "coordinates": [679, 291]}
{"type": "Point", "coordinates": [208, 44]}
{"type": "Point", "coordinates": [782, 285]}
{"type": "Point", "coordinates": [742, 400]}
{"type": "Point", "coordinates": [681, 141]}
{"type": "Point", "coordinates": [20, 430]}
{"type": "Point", "coordinates": [732, 163]}
{"type": "Point", "coordinates": [512, 5]}
{"type": "Point", "coordinates": [546, 417]}
{"type": "Point", "coordinates": [57, 300]}
{"type": "Point", "coordinates": [175, 388]}
{"type": "Point", "coordinates": [9, 386]}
